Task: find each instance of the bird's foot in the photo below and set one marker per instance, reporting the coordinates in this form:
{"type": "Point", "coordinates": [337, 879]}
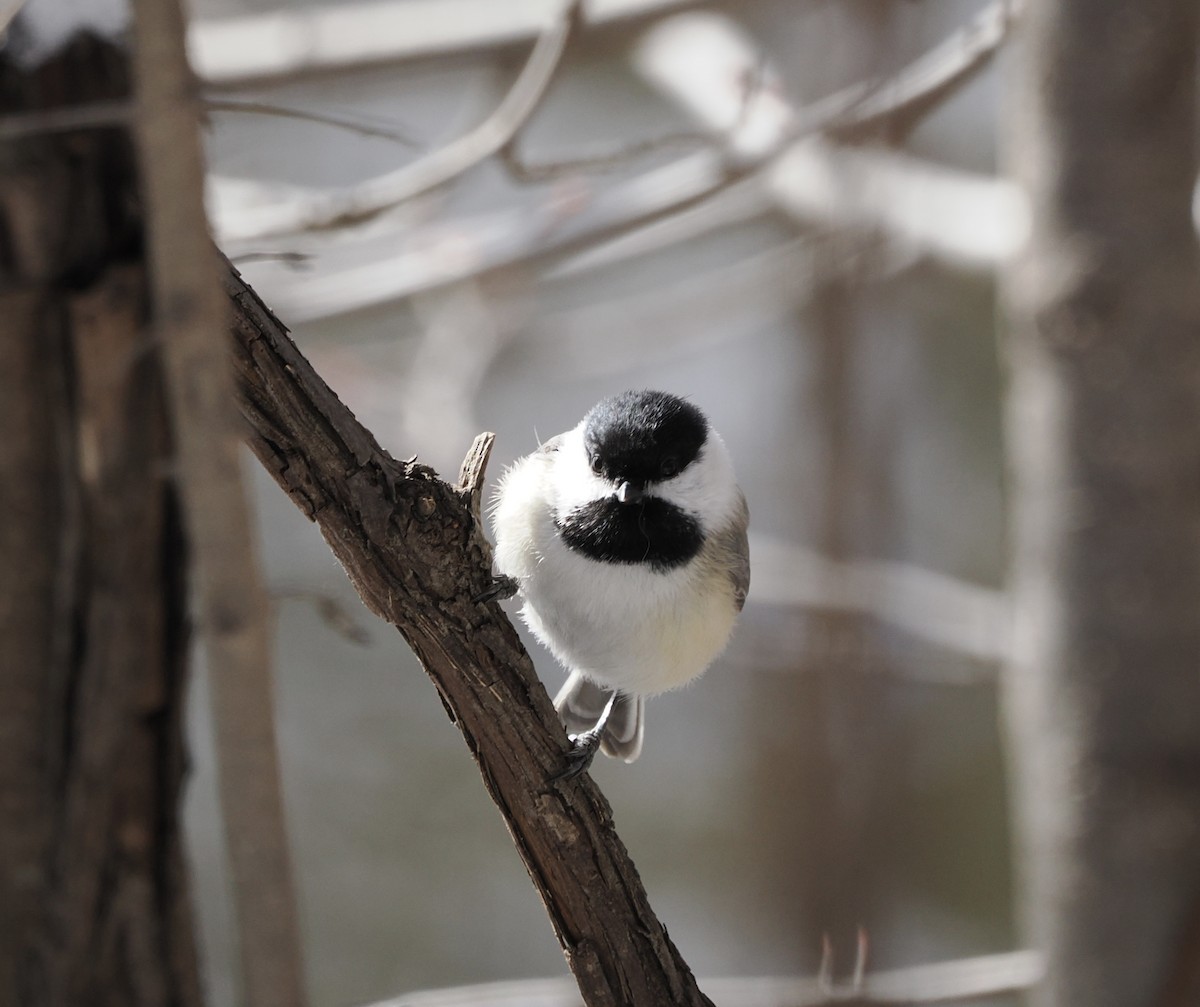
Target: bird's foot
{"type": "Point", "coordinates": [583, 750]}
{"type": "Point", "coordinates": [502, 587]}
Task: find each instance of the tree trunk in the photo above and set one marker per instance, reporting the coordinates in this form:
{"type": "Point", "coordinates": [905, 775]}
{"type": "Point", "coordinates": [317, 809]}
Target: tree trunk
{"type": "Point", "coordinates": [93, 900]}
{"type": "Point", "coordinates": [1104, 425]}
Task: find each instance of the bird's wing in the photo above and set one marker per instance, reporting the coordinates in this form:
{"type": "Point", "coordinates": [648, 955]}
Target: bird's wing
{"type": "Point", "coordinates": [737, 547]}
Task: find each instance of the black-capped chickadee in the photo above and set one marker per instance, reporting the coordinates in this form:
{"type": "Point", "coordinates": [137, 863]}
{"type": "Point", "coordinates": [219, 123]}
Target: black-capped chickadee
{"type": "Point", "coordinates": [626, 538]}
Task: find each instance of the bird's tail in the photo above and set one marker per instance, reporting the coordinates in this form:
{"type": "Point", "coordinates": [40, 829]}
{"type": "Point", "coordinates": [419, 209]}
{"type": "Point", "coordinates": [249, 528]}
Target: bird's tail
{"type": "Point", "coordinates": [580, 702]}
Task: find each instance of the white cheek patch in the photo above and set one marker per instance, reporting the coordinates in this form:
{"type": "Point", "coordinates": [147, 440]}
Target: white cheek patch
{"type": "Point", "coordinates": [706, 488]}
{"type": "Point", "coordinates": [575, 484]}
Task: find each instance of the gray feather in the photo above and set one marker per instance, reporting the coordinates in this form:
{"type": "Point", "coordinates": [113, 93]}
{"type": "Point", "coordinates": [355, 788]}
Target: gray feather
{"type": "Point", "coordinates": [580, 703]}
{"type": "Point", "coordinates": [733, 543]}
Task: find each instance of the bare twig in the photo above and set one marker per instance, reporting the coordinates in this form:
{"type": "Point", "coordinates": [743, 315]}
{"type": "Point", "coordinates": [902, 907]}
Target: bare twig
{"type": "Point", "coordinates": [190, 314]}
{"type": "Point", "coordinates": [563, 223]}
{"type": "Point", "coordinates": [685, 183]}
{"type": "Point", "coordinates": [852, 112]}
{"type": "Point", "coordinates": [293, 260]}
{"type": "Point", "coordinates": [472, 476]}
{"type": "Point", "coordinates": [614, 160]}
{"type": "Point", "coordinates": [858, 980]}
{"type": "Point", "coordinates": [927, 209]}
{"type": "Point", "coordinates": [315, 211]}
{"type": "Point", "coordinates": [896, 105]}
{"type": "Point", "coordinates": [93, 115]}
{"type": "Point", "coordinates": [248, 107]}
{"type": "Point", "coordinates": [597, 164]}
{"type": "Point", "coordinates": [333, 613]}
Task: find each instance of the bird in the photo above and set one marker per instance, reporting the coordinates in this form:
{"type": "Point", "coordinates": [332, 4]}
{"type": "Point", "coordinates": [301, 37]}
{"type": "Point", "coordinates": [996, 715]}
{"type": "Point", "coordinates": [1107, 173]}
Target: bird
{"type": "Point", "coordinates": [626, 538]}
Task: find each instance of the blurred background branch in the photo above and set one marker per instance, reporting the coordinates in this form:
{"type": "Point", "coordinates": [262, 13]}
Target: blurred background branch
{"type": "Point", "coordinates": [318, 212]}
{"type": "Point", "coordinates": [976, 979]}
{"type": "Point", "coordinates": [255, 47]}
{"type": "Point", "coordinates": [190, 316]}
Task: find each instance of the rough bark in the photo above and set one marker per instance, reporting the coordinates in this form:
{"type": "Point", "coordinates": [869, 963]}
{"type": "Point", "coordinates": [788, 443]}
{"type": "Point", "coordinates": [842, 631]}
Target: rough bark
{"type": "Point", "coordinates": [93, 900]}
{"type": "Point", "coordinates": [413, 546]}
{"type": "Point", "coordinates": [1104, 424]}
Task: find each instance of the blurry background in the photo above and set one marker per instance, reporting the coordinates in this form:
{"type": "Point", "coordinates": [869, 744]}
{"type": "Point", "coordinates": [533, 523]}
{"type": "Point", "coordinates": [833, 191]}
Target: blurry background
{"type": "Point", "coordinates": [663, 218]}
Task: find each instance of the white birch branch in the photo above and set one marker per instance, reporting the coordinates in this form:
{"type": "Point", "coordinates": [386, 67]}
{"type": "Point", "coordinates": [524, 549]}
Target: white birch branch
{"type": "Point", "coordinates": [984, 977]}
{"type": "Point", "coordinates": [942, 610]}
{"type": "Point", "coordinates": [294, 41]}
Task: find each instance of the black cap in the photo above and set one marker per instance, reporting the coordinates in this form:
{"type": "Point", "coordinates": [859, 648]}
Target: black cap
{"type": "Point", "coordinates": [643, 436]}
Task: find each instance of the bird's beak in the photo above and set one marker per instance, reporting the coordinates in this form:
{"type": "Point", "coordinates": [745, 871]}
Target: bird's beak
{"type": "Point", "coordinates": [627, 493]}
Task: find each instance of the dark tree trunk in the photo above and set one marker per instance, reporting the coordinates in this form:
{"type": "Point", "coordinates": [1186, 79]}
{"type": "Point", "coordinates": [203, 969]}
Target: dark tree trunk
{"type": "Point", "coordinates": [93, 899]}
{"type": "Point", "coordinates": [1104, 421]}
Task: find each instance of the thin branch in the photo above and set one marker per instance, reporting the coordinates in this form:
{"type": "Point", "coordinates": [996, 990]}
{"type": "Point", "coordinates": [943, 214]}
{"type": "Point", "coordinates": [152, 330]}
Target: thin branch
{"type": "Point", "coordinates": [332, 613]}
{"type": "Point", "coordinates": [248, 107]}
{"type": "Point", "coordinates": [896, 106]}
{"type": "Point", "coordinates": [417, 555]}
{"type": "Point", "coordinates": [472, 476]}
{"type": "Point", "coordinates": [919, 87]}
{"type": "Point", "coordinates": [294, 41]}
{"type": "Point", "coordinates": [942, 610]}
{"type": "Point", "coordinates": [953, 216]}
{"type": "Point", "coordinates": [563, 223]}
{"type": "Point", "coordinates": [318, 211]}
{"type": "Point", "coordinates": [985, 978]}
{"type": "Point", "coordinates": [526, 173]}
{"type": "Point", "coordinates": [293, 260]}
{"type": "Point", "coordinates": [852, 112]}
{"type": "Point", "coordinates": [614, 160]}
{"type": "Point", "coordinates": [596, 164]}
{"type": "Point", "coordinates": [93, 115]}
{"type": "Point", "coordinates": [190, 314]}
{"type": "Point", "coordinates": [682, 184]}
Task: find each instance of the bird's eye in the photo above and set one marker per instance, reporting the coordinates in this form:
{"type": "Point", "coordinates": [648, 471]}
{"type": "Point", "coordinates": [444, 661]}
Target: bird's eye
{"type": "Point", "coordinates": [669, 467]}
{"type": "Point", "coordinates": [595, 463]}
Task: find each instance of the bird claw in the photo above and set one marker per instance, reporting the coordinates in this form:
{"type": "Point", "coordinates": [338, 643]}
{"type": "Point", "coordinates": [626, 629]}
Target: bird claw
{"type": "Point", "coordinates": [502, 587]}
{"type": "Point", "coordinates": [579, 758]}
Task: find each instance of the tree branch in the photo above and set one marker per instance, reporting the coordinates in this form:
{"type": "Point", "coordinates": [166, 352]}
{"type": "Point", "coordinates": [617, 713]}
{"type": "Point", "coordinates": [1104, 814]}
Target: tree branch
{"type": "Point", "coordinates": [290, 42]}
{"type": "Point", "coordinates": [791, 172]}
{"type": "Point", "coordinates": [246, 106]}
{"type": "Point", "coordinates": [414, 548]}
{"type": "Point", "coordinates": [317, 211]}
{"type": "Point", "coordinates": [986, 977]}
{"type": "Point", "coordinates": [894, 107]}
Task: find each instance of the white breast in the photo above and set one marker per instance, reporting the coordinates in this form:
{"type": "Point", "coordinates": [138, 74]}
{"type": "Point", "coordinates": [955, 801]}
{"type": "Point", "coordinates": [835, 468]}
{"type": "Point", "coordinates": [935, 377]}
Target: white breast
{"type": "Point", "coordinates": [622, 625]}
